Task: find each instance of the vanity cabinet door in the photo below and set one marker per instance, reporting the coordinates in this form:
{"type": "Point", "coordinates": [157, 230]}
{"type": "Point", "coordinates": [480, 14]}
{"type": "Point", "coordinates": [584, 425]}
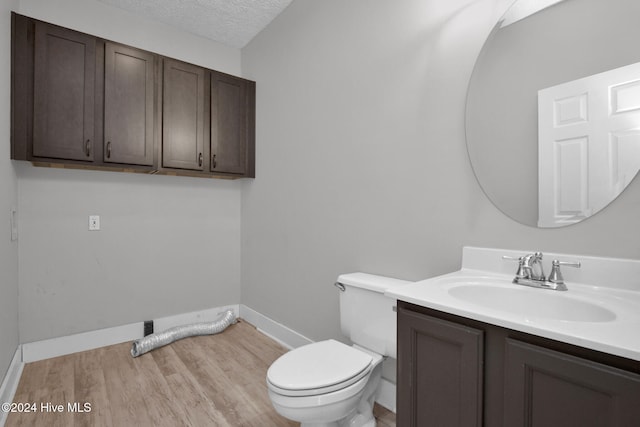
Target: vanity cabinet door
{"type": "Point", "coordinates": [63, 94]}
{"type": "Point", "coordinates": [128, 105]}
{"type": "Point", "coordinates": [545, 388]}
{"type": "Point", "coordinates": [183, 126]}
{"type": "Point", "coordinates": [440, 378]}
{"type": "Point", "coordinates": [232, 102]}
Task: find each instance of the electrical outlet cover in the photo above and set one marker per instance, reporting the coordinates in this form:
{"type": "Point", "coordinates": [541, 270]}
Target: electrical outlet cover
{"type": "Point", "coordinates": [94, 222]}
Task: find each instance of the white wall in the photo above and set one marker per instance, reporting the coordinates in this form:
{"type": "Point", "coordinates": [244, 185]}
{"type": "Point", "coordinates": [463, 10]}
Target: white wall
{"type": "Point", "coordinates": [362, 160]}
{"type": "Point", "coordinates": [168, 245]}
{"type": "Point", "coordinates": [8, 199]}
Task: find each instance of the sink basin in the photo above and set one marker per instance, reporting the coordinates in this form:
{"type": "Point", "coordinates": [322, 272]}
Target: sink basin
{"type": "Point", "coordinates": [600, 310]}
{"type": "Point", "coordinates": [530, 302]}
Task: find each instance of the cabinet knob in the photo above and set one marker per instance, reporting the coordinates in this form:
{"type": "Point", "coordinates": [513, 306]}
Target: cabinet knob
{"type": "Point", "coordinates": [108, 149]}
{"type": "Point", "coordinates": [214, 162]}
{"type": "Point", "coordinates": [200, 160]}
{"type": "Point", "coordinates": [87, 147]}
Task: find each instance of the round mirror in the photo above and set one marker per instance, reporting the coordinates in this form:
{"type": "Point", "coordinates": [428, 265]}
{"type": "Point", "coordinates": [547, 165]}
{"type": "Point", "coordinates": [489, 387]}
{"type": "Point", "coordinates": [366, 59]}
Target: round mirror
{"type": "Point", "coordinates": [553, 109]}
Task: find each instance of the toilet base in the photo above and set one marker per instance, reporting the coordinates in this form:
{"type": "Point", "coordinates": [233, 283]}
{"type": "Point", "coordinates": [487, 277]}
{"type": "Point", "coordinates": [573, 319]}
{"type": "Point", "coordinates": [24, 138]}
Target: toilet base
{"type": "Point", "coordinates": [362, 415]}
{"type": "Point", "coordinates": [360, 418]}
{"type": "Point", "coordinates": [348, 407]}
{"type": "Point", "coordinates": [370, 423]}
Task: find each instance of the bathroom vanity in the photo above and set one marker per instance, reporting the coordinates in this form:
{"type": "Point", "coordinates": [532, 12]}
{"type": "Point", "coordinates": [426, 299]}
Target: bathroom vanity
{"type": "Point", "coordinates": [475, 349]}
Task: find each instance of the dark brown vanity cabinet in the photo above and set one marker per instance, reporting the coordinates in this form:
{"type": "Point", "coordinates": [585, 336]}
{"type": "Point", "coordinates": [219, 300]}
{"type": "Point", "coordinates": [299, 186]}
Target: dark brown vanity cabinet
{"type": "Point", "coordinates": [63, 94]}
{"type": "Point", "coordinates": [435, 351]}
{"type": "Point", "coordinates": [454, 371]}
{"type": "Point", "coordinates": [549, 388]}
{"type": "Point", "coordinates": [81, 101]}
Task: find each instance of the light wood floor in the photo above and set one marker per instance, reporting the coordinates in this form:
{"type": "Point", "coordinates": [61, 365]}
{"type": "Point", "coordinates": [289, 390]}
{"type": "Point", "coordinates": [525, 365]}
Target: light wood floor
{"type": "Point", "coordinates": [216, 380]}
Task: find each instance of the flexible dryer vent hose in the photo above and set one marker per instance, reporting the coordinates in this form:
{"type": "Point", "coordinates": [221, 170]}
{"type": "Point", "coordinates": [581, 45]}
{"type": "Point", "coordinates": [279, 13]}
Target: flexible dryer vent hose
{"type": "Point", "coordinates": [153, 341]}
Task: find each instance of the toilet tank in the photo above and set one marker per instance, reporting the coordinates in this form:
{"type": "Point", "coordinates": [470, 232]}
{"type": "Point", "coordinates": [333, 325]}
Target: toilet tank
{"type": "Point", "coordinates": [368, 317]}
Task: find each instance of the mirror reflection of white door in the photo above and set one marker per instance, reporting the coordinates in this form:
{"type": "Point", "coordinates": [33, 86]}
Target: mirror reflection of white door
{"type": "Point", "coordinates": [588, 144]}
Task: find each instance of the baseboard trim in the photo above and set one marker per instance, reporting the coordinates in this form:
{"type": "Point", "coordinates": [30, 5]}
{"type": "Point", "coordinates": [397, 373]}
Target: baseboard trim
{"type": "Point", "coordinates": [54, 347]}
{"type": "Point", "coordinates": [274, 330]}
{"type": "Point", "coordinates": [60, 346]}
{"type": "Point", "coordinates": [10, 382]}
{"type": "Point", "coordinates": [387, 395]}
{"type": "Point", "coordinates": [291, 339]}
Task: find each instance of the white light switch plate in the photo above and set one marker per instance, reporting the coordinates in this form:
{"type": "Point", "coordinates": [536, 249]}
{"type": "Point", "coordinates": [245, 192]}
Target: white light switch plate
{"type": "Point", "coordinates": [94, 222]}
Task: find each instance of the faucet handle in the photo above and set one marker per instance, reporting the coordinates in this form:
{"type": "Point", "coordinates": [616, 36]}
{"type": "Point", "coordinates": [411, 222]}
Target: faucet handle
{"type": "Point", "coordinates": [524, 271]}
{"type": "Point", "coordinates": [575, 264]}
{"type": "Point", "coordinates": [536, 256]}
{"type": "Point", "coordinates": [556, 276]}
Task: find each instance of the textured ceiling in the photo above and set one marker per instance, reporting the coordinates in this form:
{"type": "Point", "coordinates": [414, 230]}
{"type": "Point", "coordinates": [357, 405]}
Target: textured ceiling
{"type": "Point", "coordinates": [231, 22]}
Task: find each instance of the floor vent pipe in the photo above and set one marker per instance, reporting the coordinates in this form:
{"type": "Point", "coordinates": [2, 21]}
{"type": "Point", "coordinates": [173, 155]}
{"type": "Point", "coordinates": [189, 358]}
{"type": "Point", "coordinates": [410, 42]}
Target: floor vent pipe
{"type": "Point", "coordinates": [153, 341]}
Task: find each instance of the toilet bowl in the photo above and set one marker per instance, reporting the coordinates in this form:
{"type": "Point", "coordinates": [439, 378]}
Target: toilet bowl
{"type": "Point", "coordinates": [327, 383]}
{"type": "Point", "coordinates": [331, 384]}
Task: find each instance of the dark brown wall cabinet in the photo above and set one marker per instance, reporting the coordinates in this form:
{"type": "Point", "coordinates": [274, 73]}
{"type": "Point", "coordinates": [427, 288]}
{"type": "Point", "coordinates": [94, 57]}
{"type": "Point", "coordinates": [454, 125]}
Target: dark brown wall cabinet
{"type": "Point", "coordinates": [63, 97]}
{"type": "Point", "coordinates": [128, 105]}
{"type": "Point", "coordinates": [183, 127]}
{"type": "Point", "coordinates": [231, 112]}
{"type": "Point", "coordinates": [81, 101]}
{"type": "Point", "coordinates": [454, 371]}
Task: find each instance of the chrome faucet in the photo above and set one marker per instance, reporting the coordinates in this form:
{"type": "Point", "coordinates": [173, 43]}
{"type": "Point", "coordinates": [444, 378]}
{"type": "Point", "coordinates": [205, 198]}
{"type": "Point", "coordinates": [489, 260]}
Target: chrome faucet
{"type": "Point", "coordinates": [531, 273]}
{"type": "Point", "coordinates": [532, 264]}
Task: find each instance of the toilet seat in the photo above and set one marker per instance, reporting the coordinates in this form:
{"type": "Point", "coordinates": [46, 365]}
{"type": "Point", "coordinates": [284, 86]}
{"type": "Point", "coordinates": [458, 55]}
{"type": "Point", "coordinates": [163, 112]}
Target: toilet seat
{"type": "Point", "coordinates": [318, 368]}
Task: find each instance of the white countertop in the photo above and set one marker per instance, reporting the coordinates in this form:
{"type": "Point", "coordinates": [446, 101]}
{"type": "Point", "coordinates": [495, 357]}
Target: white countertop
{"type": "Point", "coordinates": [616, 332]}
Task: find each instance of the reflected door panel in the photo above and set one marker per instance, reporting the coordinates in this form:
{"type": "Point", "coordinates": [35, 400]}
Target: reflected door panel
{"type": "Point", "coordinates": [588, 144]}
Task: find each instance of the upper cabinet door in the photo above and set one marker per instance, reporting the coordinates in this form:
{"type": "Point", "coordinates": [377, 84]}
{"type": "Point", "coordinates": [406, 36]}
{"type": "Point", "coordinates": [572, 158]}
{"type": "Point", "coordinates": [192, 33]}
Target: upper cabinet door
{"type": "Point", "coordinates": [229, 123]}
{"type": "Point", "coordinates": [128, 105]}
{"type": "Point", "coordinates": [64, 83]}
{"type": "Point", "coordinates": [183, 128]}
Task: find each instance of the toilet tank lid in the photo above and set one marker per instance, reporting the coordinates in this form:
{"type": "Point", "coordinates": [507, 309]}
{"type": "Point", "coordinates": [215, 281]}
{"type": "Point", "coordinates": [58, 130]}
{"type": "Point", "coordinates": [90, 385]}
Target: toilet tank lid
{"type": "Point", "coordinates": [370, 282]}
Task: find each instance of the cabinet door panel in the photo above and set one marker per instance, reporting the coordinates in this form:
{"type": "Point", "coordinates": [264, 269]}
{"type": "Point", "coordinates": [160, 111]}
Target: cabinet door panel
{"type": "Point", "coordinates": [439, 372]}
{"type": "Point", "coordinates": [228, 124]}
{"type": "Point", "coordinates": [64, 83]}
{"type": "Point", "coordinates": [545, 388]}
{"type": "Point", "coordinates": [183, 116]}
{"type": "Point", "coordinates": [129, 115]}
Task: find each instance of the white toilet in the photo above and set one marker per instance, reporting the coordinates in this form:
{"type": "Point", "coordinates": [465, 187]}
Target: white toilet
{"type": "Point", "coordinates": [329, 383]}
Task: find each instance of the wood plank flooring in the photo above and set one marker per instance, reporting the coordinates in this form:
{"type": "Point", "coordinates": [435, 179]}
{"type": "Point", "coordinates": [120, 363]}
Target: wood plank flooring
{"type": "Point", "coordinates": [216, 380]}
